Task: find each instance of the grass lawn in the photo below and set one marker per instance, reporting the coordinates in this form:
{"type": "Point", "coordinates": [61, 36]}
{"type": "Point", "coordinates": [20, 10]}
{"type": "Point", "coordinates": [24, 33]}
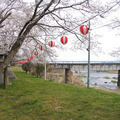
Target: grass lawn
{"type": "Point", "coordinates": [32, 98]}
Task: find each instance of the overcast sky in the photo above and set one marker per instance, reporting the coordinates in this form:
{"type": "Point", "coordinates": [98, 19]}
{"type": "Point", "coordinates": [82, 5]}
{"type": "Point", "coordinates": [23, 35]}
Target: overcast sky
{"type": "Point", "coordinates": [109, 41]}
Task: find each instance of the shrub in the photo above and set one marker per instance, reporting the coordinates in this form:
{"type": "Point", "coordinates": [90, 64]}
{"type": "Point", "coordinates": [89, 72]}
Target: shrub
{"type": "Point", "coordinates": [39, 69]}
{"type": "Point", "coordinates": [27, 67]}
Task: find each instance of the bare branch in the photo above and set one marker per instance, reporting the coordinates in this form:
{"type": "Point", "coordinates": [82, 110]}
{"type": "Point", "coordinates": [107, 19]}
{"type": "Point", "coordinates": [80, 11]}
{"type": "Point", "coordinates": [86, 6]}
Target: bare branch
{"type": "Point", "coordinates": [35, 11]}
{"type": "Point", "coordinates": [69, 6]}
{"type": "Point", "coordinates": [4, 18]}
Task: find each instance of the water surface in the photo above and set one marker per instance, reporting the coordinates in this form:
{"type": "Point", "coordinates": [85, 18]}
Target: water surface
{"type": "Point", "coordinates": [97, 79]}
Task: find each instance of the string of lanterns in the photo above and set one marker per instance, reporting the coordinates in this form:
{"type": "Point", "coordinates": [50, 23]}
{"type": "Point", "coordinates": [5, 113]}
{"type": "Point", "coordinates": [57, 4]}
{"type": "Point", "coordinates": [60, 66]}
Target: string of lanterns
{"type": "Point", "coordinates": [64, 40]}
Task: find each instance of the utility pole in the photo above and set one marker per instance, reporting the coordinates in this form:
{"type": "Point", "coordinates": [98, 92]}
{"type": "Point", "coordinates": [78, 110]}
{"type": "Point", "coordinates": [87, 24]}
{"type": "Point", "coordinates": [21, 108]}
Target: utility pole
{"type": "Point", "coordinates": [45, 60]}
{"type": "Point", "coordinates": [88, 78]}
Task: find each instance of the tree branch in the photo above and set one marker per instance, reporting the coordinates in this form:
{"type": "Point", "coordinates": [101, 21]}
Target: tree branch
{"type": "Point", "coordinates": [4, 18]}
{"type": "Point", "coordinates": [69, 6]}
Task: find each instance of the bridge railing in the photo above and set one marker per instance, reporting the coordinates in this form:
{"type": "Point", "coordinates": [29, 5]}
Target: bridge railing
{"type": "Point", "coordinates": [73, 62]}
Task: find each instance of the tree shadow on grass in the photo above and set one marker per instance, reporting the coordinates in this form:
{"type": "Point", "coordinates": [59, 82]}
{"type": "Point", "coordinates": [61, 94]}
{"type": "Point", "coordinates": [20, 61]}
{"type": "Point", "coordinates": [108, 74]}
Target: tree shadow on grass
{"type": "Point", "coordinates": [2, 86]}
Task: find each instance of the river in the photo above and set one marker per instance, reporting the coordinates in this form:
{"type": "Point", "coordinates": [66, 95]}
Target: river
{"type": "Point", "coordinates": [98, 79]}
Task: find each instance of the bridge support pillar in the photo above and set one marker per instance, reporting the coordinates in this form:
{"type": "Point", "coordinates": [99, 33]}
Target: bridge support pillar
{"type": "Point", "coordinates": [68, 76]}
{"type": "Point", "coordinates": [118, 83]}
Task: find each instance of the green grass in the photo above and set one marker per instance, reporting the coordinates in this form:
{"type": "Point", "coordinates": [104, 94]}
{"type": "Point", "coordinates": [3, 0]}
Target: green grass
{"type": "Point", "coordinates": [83, 76]}
{"type": "Point", "coordinates": [105, 82]}
{"type": "Point", "coordinates": [113, 81]}
{"type": "Point", "coordinates": [106, 77]}
{"type": "Point", "coordinates": [114, 77]}
{"type": "Point", "coordinates": [32, 98]}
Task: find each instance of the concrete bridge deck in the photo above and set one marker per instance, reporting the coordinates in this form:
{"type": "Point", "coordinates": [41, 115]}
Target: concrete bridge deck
{"type": "Point", "coordinates": [83, 65]}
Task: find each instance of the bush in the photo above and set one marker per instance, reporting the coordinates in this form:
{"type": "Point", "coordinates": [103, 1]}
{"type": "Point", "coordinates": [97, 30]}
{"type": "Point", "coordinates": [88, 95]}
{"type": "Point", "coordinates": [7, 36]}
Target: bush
{"type": "Point", "coordinates": [39, 70]}
{"type": "Point", "coordinates": [27, 67]}
{"type": "Point", "coordinates": [35, 69]}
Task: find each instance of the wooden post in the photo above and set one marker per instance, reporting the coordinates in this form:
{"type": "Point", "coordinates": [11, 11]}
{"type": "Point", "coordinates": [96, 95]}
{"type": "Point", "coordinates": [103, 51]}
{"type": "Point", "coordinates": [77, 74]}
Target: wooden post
{"type": "Point", "coordinates": [5, 77]}
{"type": "Point", "coordinates": [118, 83]}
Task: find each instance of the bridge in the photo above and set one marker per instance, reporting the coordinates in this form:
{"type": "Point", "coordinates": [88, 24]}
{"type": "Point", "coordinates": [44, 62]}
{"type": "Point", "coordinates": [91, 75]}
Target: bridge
{"type": "Point", "coordinates": [83, 66]}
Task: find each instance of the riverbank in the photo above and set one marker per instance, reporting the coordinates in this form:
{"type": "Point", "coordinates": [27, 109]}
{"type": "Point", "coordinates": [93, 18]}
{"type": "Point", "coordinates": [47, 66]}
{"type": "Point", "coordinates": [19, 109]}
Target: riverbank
{"type": "Point", "coordinates": [108, 90]}
{"type": "Point", "coordinates": [60, 78]}
{"type": "Point", "coordinates": [111, 71]}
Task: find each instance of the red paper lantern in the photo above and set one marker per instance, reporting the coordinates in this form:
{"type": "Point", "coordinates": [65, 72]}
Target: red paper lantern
{"type": "Point", "coordinates": [22, 62]}
{"type": "Point", "coordinates": [84, 29]}
{"type": "Point", "coordinates": [31, 57]}
{"type": "Point", "coordinates": [41, 47]}
{"type": "Point", "coordinates": [28, 59]}
{"type": "Point", "coordinates": [18, 61]}
{"type": "Point", "coordinates": [36, 53]}
{"type": "Point", "coordinates": [25, 61]}
{"type": "Point", "coordinates": [51, 43]}
{"type": "Point", "coordinates": [64, 40]}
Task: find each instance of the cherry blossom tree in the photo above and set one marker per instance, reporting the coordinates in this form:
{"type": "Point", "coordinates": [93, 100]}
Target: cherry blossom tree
{"type": "Point", "coordinates": [47, 19]}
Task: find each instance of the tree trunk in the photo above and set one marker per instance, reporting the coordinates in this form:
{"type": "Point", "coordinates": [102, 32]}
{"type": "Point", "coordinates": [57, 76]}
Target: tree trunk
{"type": "Point", "coordinates": [5, 77]}
{"type": "Point", "coordinates": [16, 46]}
